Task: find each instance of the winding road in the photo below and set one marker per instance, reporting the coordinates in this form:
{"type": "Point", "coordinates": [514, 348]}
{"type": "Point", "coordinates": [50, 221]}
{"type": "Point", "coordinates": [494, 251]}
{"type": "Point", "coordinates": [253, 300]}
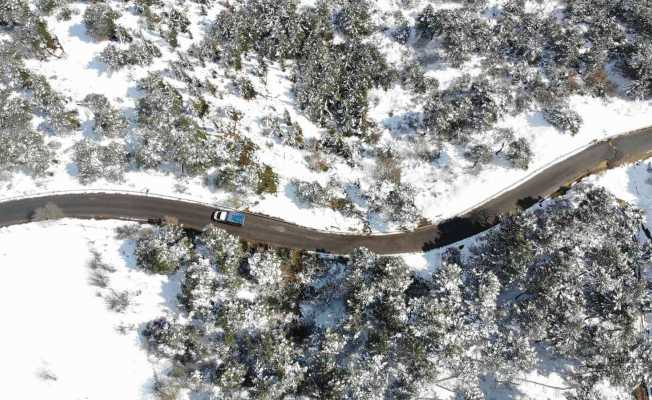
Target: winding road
{"type": "Point", "coordinates": [599, 156]}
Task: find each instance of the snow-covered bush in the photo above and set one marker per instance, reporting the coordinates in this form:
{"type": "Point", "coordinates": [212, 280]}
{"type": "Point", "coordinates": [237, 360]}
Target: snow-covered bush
{"type": "Point", "coordinates": [169, 135]}
{"type": "Point", "coordinates": [198, 294]}
{"type": "Point", "coordinates": [46, 101]}
{"type": "Point", "coordinates": [95, 161]}
{"type": "Point", "coordinates": [332, 83]}
{"type": "Point", "coordinates": [163, 249]}
{"type": "Point", "coordinates": [479, 154]}
{"type": "Point", "coordinates": [388, 166]}
{"type": "Point", "coordinates": [13, 12]}
{"type": "Point", "coordinates": [118, 301]}
{"type": "Point", "coordinates": [174, 340]}
{"type": "Point", "coordinates": [246, 89]}
{"type": "Point", "coordinates": [48, 6]}
{"type": "Point", "coordinates": [563, 118]}
{"type": "Point", "coordinates": [637, 65]}
{"type": "Point", "coordinates": [15, 113]}
{"type": "Point", "coordinates": [395, 202]}
{"type": "Point", "coordinates": [21, 148]}
{"type": "Point", "coordinates": [335, 143]}
{"type": "Point", "coordinates": [519, 154]}
{"type": "Point", "coordinates": [162, 103]}
{"type": "Point", "coordinates": [33, 39]}
{"type": "Point", "coordinates": [353, 19]}
{"type": "Point", "coordinates": [466, 107]}
{"type": "Point", "coordinates": [223, 249]}
{"type": "Point", "coordinates": [287, 131]}
{"type": "Point", "coordinates": [140, 52]}
{"type": "Point", "coordinates": [99, 19]}
{"type": "Point", "coordinates": [109, 122]}
{"type": "Point", "coordinates": [413, 77]}
{"type": "Point", "coordinates": [461, 32]}
{"type": "Point", "coordinates": [270, 28]}
{"type": "Point", "coordinates": [402, 29]}
{"type": "Point", "coordinates": [311, 193]}
{"type": "Point", "coordinates": [365, 326]}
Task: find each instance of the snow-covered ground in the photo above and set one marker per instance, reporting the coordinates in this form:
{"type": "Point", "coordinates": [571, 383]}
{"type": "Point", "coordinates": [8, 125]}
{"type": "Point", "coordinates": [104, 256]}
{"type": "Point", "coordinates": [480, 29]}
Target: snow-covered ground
{"type": "Point", "coordinates": [443, 187]}
{"type": "Point", "coordinates": [58, 338]}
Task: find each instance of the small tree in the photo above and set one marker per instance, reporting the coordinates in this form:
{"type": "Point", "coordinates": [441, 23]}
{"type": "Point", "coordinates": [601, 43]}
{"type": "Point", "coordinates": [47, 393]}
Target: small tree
{"type": "Point", "coordinates": [163, 249]}
{"type": "Point", "coordinates": [267, 181]}
{"type": "Point", "coordinates": [479, 154]}
{"type": "Point", "coordinates": [99, 19]}
{"type": "Point", "coordinates": [13, 12]}
{"type": "Point", "coordinates": [563, 118]}
{"type": "Point", "coordinates": [519, 153]}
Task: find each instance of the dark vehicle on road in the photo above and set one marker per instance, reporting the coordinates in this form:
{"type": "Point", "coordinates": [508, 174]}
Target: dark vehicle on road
{"type": "Point", "coordinates": [228, 217]}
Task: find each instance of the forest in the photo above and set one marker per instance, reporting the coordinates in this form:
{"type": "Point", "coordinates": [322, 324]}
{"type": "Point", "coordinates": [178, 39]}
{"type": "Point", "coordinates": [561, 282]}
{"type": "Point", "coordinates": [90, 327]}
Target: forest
{"type": "Point", "coordinates": [564, 281]}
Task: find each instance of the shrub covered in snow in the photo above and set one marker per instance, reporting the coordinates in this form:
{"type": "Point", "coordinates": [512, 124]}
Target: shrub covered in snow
{"type": "Point", "coordinates": [48, 6]}
{"type": "Point", "coordinates": [395, 202]}
{"type": "Point", "coordinates": [466, 107]}
{"type": "Point", "coordinates": [21, 148]}
{"type": "Point", "coordinates": [162, 103]}
{"type": "Point", "coordinates": [637, 65]}
{"type": "Point", "coordinates": [13, 12]}
{"type": "Point", "coordinates": [99, 19]}
{"type": "Point", "coordinates": [169, 134]}
{"type": "Point", "coordinates": [140, 52]}
{"type": "Point", "coordinates": [563, 118]}
{"type": "Point", "coordinates": [519, 154]}
{"type": "Point", "coordinates": [269, 28]}
{"type": "Point", "coordinates": [32, 39]}
{"type": "Point", "coordinates": [163, 249]}
{"type": "Point", "coordinates": [109, 122]}
{"type": "Point", "coordinates": [283, 128]}
{"type": "Point", "coordinates": [479, 154]}
{"type": "Point", "coordinates": [311, 193]}
{"type": "Point", "coordinates": [332, 83]}
{"type": "Point", "coordinates": [246, 89]}
{"type": "Point", "coordinates": [461, 32]}
{"type": "Point", "coordinates": [331, 80]}
{"type": "Point", "coordinates": [575, 266]}
{"type": "Point", "coordinates": [353, 18]}
{"type": "Point", "coordinates": [95, 161]}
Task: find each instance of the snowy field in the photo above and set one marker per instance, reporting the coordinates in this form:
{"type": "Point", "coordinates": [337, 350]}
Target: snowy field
{"type": "Point", "coordinates": [59, 339]}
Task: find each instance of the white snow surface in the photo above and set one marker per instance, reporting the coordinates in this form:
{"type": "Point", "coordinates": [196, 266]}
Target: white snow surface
{"type": "Point", "coordinates": [59, 340]}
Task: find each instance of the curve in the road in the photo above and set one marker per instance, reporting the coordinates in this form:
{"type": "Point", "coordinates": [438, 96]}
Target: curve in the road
{"type": "Point", "coordinates": [599, 156]}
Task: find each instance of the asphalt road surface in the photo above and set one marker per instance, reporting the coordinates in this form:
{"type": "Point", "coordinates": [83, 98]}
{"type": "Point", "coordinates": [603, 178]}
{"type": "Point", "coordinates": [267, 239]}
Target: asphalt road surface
{"type": "Point", "coordinates": [628, 147]}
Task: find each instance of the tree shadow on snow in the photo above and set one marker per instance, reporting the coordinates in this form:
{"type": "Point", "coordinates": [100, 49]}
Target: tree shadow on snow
{"type": "Point", "coordinates": [79, 31]}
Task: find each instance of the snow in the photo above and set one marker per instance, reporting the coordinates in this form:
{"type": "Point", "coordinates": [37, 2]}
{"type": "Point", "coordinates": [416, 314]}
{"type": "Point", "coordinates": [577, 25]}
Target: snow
{"type": "Point", "coordinates": [444, 187]}
{"type": "Point", "coordinates": [59, 340]}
